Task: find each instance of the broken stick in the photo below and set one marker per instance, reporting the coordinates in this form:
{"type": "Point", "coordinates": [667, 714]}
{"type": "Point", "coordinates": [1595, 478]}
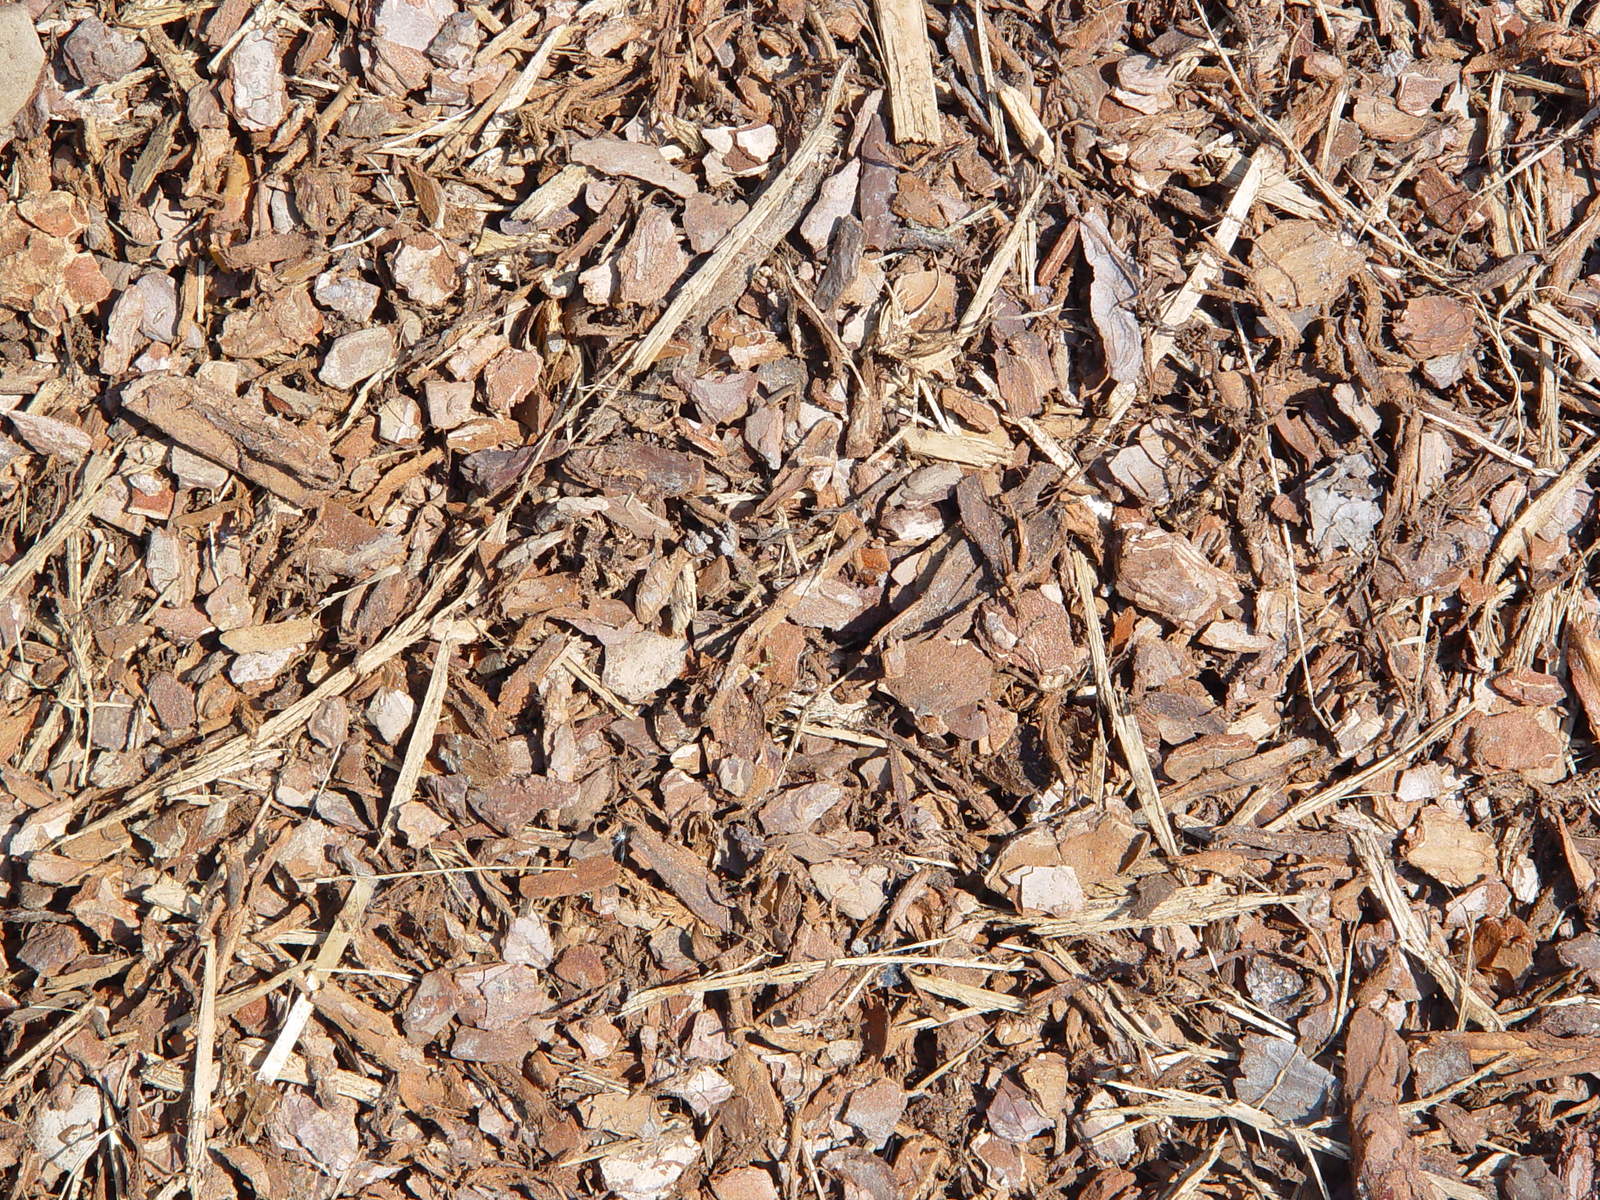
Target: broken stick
{"type": "Point", "coordinates": [750, 241]}
{"type": "Point", "coordinates": [908, 63]}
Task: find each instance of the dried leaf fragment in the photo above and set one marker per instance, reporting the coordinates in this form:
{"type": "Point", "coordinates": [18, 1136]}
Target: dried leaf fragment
{"type": "Point", "coordinates": [1012, 1115]}
{"type": "Point", "coordinates": [836, 199]}
{"type": "Point", "coordinates": [875, 1110]}
{"type": "Point", "coordinates": [425, 267]}
{"type": "Point", "coordinates": [357, 356]}
{"type": "Point", "coordinates": [642, 663]}
{"type": "Point", "coordinates": [66, 1128]}
{"type": "Point", "coordinates": [1342, 503]}
{"type": "Point", "coordinates": [856, 891]}
{"type": "Point", "coordinates": [260, 99]}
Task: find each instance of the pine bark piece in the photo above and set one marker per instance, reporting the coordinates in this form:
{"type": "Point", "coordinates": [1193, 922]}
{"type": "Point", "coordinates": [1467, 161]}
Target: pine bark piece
{"type": "Point", "coordinates": [1386, 1160]}
{"type": "Point", "coordinates": [429, 1091]}
{"type": "Point", "coordinates": [613, 156]}
{"type": "Point", "coordinates": [684, 875]}
{"type": "Point", "coordinates": [282, 457]}
{"type": "Point", "coordinates": [1521, 1057]}
{"type": "Point", "coordinates": [908, 61]}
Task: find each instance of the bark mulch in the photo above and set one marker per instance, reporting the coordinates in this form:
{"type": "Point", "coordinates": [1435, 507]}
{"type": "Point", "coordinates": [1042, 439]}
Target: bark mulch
{"type": "Point", "coordinates": [664, 598]}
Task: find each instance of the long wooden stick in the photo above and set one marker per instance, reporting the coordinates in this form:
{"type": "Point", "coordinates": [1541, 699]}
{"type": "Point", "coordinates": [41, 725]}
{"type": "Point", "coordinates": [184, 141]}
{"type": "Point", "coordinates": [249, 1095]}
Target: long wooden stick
{"type": "Point", "coordinates": [908, 63]}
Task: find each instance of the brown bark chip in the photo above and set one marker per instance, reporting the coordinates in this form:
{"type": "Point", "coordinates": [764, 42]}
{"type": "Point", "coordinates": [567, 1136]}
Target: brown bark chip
{"type": "Point", "coordinates": [1385, 1158]}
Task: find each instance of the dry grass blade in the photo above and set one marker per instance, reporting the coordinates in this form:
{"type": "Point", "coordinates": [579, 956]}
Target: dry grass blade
{"type": "Point", "coordinates": [1194, 905]}
{"type": "Point", "coordinates": [1515, 536]}
{"type": "Point", "coordinates": [329, 953]}
{"type": "Point", "coordinates": [1175, 1102]}
{"type": "Point", "coordinates": [1121, 720]}
{"type": "Point", "coordinates": [90, 490]}
{"type": "Point", "coordinates": [1353, 784]}
{"type": "Point", "coordinates": [998, 267]}
{"type": "Point", "coordinates": [972, 998]}
{"type": "Point", "coordinates": [1194, 1175]}
{"type": "Point", "coordinates": [1182, 304]}
{"type": "Point", "coordinates": [14, 1074]}
{"type": "Point", "coordinates": [796, 972]}
{"type": "Point", "coordinates": [248, 749]}
{"type": "Point", "coordinates": [420, 744]}
{"type": "Point", "coordinates": [203, 1080]}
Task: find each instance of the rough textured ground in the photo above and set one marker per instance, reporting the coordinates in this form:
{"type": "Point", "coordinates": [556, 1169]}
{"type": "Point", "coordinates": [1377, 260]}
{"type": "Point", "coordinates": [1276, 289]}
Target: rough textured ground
{"type": "Point", "coordinates": [799, 600]}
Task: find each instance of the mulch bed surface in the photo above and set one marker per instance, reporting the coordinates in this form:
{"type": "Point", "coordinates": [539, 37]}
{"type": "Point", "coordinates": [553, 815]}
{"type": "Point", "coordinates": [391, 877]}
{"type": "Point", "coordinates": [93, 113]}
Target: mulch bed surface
{"type": "Point", "coordinates": [859, 600]}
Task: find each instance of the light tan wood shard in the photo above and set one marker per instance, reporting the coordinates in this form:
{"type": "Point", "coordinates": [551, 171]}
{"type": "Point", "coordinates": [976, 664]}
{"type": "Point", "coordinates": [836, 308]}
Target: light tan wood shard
{"type": "Point", "coordinates": [1182, 304]}
{"type": "Point", "coordinates": [1027, 124]}
{"type": "Point", "coordinates": [969, 449]}
{"type": "Point", "coordinates": [908, 61]}
{"type": "Point", "coordinates": [1276, 188]}
{"type": "Point", "coordinates": [278, 635]}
